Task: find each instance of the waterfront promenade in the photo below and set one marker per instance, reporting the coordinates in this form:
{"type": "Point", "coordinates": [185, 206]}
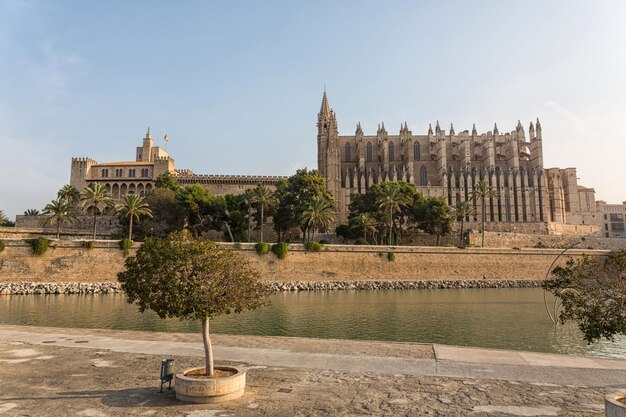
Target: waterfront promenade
{"type": "Point", "coordinates": [60, 372]}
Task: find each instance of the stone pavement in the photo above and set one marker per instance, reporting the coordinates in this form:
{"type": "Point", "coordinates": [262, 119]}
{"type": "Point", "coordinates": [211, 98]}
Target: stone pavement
{"type": "Point", "coordinates": [59, 372]}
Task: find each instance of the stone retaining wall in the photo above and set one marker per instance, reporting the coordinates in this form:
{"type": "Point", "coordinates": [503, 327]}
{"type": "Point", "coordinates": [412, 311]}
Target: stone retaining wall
{"type": "Point", "coordinates": [21, 288]}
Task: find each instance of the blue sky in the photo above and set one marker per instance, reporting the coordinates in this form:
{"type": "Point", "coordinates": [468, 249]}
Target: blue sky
{"type": "Point", "coordinates": [237, 85]}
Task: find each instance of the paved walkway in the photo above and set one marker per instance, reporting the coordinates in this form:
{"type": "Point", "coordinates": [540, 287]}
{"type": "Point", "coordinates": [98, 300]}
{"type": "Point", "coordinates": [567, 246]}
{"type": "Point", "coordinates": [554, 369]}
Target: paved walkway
{"type": "Point", "coordinates": [424, 359]}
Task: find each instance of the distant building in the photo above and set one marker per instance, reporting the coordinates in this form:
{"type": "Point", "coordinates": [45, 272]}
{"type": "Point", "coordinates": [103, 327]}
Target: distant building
{"type": "Point", "coordinates": [613, 219]}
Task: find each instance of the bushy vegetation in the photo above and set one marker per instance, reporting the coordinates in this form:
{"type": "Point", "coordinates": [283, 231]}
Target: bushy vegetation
{"type": "Point", "coordinates": [324, 242]}
{"type": "Point", "coordinates": [89, 244]}
{"type": "Point", "coordinates": [262, 248]}
{"type": "Point", "coordinates": [38, 246]}
{"type": "Point", "coordinates": [313, 246]}
{"type": "Point", "coordinates": [391, 256]}
{"type": "Point", "coordinates": [361, 241]}
{"type": "Point", "coordinates": [2, 246]}
{"type": "Point", "coordinates": [280, 249]}
{"type": "Point", "coordinates": [125, 245]}
{"type": "Point", "coordinates": [592, 291]}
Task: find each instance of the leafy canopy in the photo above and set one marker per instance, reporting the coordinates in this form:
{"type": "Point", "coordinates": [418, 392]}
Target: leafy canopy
{"type": "Point", "coordinates": [189, 278]}
{"type": "Point", "coordinates": [593, 294]}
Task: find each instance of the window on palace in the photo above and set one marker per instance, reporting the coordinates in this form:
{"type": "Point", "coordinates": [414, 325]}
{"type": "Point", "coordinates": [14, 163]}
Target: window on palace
{"type": "Point", "coordinates": [391, 151]}
{"type": "Point", "coordinates": [105, 173]}
{"type": "Point", "coordinates": [416, 151]}
{"type": "Point", "coordinates": [369, 151]}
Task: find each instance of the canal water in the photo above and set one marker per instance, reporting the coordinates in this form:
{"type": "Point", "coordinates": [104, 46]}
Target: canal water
{"type": "Point", "coordinates": [495, 318]}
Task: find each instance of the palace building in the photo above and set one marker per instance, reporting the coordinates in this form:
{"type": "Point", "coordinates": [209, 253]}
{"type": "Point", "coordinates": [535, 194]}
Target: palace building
{"type": "Point", "coordinates": [530, 198]}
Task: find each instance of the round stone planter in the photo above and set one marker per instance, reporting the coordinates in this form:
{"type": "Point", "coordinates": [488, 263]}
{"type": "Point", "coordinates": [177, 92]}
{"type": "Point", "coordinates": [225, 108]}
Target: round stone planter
{"type": "Point", "coordinates": [613, 407]}
{"type": "Point", "coordinates": [216, 390]}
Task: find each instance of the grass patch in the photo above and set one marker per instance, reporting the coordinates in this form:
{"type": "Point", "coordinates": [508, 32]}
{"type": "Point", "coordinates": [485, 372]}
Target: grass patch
{"type": "Point", "coordinates": [262, 248]}
{"type": "Point", "coordinates": [313, 246]}
{"type": "Point", "coordinates": [391, 256]}
{"type": "Point", "coordinates": [89, 244]}
{"type": "Point", "coordinates": [2, 245]}
{"type": "Point", "coordinates": [38, 246]}
{"type": "Point", "coordinates": [280, 249]}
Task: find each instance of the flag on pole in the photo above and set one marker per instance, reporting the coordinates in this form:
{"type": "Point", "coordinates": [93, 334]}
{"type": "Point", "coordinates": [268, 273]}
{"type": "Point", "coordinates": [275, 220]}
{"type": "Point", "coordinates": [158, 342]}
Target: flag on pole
{"type": "Point", "coordinates": [165, 138]}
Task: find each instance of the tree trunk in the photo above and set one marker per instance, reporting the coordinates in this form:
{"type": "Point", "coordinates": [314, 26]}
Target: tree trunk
{"type": "Point", "coordinates": [261, 222]}
{"type": "Point", "coordinates": [95, 214]}
{"type": "Point", "coordinates": [130, 229]}
{"type": "Point", "coordinates": [482, 229]}
{"type": "Point", "coordinates": [461, 237]}
{"type": "Point", "coordinates": [230, 234]}
{"type": "Point", "coordinates": [208, 349]}
{"type": "Point", "coordinates": [390, 226]}
{"type": "Point", "coordinates": [438, 237]}
{"type": "Point", "coordinates": [58, 228]}
{"type": "Point", "coordinates": [249, 222]}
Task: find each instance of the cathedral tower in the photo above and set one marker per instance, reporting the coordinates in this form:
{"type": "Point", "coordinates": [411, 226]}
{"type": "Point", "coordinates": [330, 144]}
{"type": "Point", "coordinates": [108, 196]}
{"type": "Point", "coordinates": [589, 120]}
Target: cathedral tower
{"type": "Point", "coordinates": [328, 154]}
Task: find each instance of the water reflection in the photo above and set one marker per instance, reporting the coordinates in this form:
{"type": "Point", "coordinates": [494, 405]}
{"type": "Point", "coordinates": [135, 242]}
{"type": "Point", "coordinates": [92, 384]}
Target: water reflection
{"type": "Point", "coordinates": [497, 318]}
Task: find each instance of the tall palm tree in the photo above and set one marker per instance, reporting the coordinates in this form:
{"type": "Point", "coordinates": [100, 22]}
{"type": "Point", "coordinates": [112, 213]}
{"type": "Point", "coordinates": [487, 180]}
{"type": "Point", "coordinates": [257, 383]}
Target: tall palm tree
{"type": "Point", "coordinates": [133, 206]}
{"type": "Point", "coordinates": [462, 210]}
{"type": "Point", "coordinates": [31, 212]}
{"type": "Point", "coordinates": [69, 193]}
{"type": "Point", "coordinates": [366, 223]}
{"type": "Point", "coordinates": [58, 211]}
{"type": "Point", "coordinates": [319, 214]}
{"type": "Point", "coordinates": [483, 191]}
{"type": "Point", "coordinates": [263, 198]}
{"type": "Point", "coordinates": [97, 198]}
{"type": "Point", "coordinates": [390, 201]}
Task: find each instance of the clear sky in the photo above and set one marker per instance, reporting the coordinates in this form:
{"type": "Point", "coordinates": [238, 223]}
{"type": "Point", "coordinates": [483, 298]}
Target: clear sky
{"type": "Point", "coordinates": [237, 85]}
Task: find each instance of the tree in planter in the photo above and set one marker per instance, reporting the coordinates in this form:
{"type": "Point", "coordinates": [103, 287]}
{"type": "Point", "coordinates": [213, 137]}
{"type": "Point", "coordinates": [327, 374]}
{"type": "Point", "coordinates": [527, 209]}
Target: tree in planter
{"type": "Point", "coordinates": [97, 198]}
{"type": "Point", "coordinates": [592, 292]}
{"type": "Point", "coordinates": [133, 206]}
{"type": "Point", "coordinates": [58, 211]}
{"type": "Point", "coordinates": [192, 279]}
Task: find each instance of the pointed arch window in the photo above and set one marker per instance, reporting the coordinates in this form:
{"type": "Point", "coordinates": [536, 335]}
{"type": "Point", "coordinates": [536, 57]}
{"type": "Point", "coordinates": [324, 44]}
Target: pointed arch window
{"type": "Point", "coordinates": [423, 177]}
{"type": "Point", "coordinates": [369, 151]}
{"type": "Point", "coordinates": [391, 152]}
{"type": "Point", "coordinates": [347, 152]}
{"type": "Point", "coordinates": [416, 151]}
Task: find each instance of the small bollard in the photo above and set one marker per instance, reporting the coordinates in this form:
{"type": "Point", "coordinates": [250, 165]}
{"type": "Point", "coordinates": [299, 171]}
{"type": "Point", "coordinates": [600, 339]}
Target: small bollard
{"type": "Point", "coordinates": [167, 372]}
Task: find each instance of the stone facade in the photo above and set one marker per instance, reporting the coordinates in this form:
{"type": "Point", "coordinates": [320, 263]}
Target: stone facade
{"type": "Point", "coordinates": [613, 219]}
{"type": "Point", "coordinates": [448, 165]}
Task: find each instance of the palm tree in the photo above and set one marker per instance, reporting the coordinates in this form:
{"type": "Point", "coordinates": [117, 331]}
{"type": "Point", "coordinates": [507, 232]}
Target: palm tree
{"type": "Point", "coordinates": [31, 212]}
{"type": "Point", "coordinates": [58, 211]}
{"type": "Point", "coordinates": [483, 191]}
{"type": "Point", "coordinates": [366, 223]}
{"type": "Point", "coordinates": [264, 198]}
{"type": "Point", "coordinates": [69, 193]}
{"type": "Point", "coordinates": [462, 210]}
{"type": "Point", "coordinates": [390, 201]}
{"type": "Point", "coordinates": [97, 198]}
{"type": "Point", "coordinates": [318, 215]}
{"type": "Point", "coordinates": [133, 206]}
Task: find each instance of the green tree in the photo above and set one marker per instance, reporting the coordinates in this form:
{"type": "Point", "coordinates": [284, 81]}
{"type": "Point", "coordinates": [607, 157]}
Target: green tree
{"type": "Point", "coordinates": [592, 291]}
{"type": "Point", "coordinates": [168, 181]}
{"type": "Point", "coordinates": [192, 279]}
{"type": "Point", "coordinates": [133, 207]}
{"type": "Point", "coordinates": [263, 198]}
{"type": "Point", "coordinates": [58, 211]}
{"type": "Point", "coordinates": [69, 193]}
{"type": "Point", "coordinates": [462, 210]}
{"type": "Point", "coordinates": [319, 215]}
{"type": "Point", "coordinates": [391, 200]}
{"type": "Point", "coordinates": [434, 217]}
{"type": "Point", "coordinates": [196, 202]}
{"type": "Point", "coordinates": [483, 191]}
{"type": "Point", "coordinates": [31, 212]}
{"type": "Point", "coordinates": [97, 198]}
{"type": "Point", "coordinates": [4, 220]}
{"type": "Point", "coordinates": [363, 224]}
{"type": "Point", "coordinates": [167, 215]}
{"type": "Point", "coordinates": [293, 197]}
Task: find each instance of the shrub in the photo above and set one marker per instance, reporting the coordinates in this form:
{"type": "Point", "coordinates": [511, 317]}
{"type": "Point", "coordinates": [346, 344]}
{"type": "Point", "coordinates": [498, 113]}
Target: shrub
{"type": "Point", "coordinates": [262, 248]}
{"type": "Point", "coordinates": [89, 244]}
{"type": "Point", "coordinates": [1, 246]}
{"type": "Point", "coordinates": [312, 246]}
{"type": "Point", "coordinates": [39, 246]}
{"type": "Point", "coordinates": [280, 249]}
{"type": "Point", "coordinates": [324, 242]}
{"type": "Point", "coordinates": [361, 241]}
{"type": "Point", "coordinates": [391, 256]}
{"type": "Point", "coordinates": [237, 245]}
{"type": "Point", "coordinates": [125, 245]}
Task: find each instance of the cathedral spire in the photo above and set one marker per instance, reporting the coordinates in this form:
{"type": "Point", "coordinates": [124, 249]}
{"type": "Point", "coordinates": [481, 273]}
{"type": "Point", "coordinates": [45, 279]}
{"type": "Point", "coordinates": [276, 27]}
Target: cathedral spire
{"type": "Point", "coordinates": [474, 131]}
{"type": "Point", "coordinates": [430, 128]}
{"type": "Point", "coordinates": [452, 129]}
{"type": "Point", "coordinates": [495, 129]}
{"type": "Point", "coordinates": [148, 133]}
{"type": "Point", "coordinates": [519, 125]}
{"type": "Point", "coordinates": [325, 107]}
{"type": "Point", "coordinates": [437, 128]}
{"type": "Point", "coordinates": [358, 128]}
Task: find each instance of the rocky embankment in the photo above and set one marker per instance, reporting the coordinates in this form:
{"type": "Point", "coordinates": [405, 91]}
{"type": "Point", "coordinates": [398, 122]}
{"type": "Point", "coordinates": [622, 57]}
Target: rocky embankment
{"type": "Point", "coordinates": [20, 288]}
